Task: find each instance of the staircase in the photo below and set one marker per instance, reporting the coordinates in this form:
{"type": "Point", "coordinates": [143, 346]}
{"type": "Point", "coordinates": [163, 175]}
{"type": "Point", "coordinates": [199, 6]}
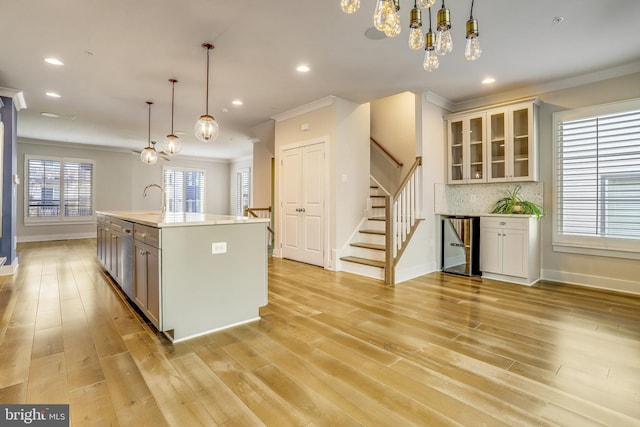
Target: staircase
{"type": "Point", "coordinates": [386, 231]}
{"type": "Point", "coordinates": [368, 247]}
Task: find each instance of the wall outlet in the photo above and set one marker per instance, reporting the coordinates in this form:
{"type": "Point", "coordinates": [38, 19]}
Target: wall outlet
{"type": "Point", "coordinates": [219, 248]}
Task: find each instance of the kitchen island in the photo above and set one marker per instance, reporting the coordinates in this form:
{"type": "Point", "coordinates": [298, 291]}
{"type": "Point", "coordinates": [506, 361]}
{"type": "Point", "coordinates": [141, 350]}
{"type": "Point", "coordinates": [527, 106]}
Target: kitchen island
{"type": "Point", "coordinates": [191, 274]}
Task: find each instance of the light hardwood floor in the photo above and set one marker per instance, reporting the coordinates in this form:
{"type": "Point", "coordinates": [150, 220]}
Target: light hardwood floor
{"type": "Point", "coordinates": [331, 349]}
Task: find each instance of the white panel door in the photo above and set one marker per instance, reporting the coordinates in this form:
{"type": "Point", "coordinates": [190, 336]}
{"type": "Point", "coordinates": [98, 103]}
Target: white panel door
{"type": "Point", "coordinates": [303, 204]}
{"type": "Point", "coordinates": [291, 202]}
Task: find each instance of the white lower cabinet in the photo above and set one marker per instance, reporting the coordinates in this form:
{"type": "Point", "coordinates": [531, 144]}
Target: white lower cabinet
{"type": "Point", "coordinates": [510, 249]}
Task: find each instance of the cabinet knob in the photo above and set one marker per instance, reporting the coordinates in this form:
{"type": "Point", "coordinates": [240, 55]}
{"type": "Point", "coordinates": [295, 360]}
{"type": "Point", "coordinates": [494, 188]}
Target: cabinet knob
{"type": "Point", "coordinates": [503, 223]}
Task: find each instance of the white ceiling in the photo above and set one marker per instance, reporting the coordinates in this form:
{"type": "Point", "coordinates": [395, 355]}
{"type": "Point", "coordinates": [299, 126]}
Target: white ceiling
{"type": "Point", "coordinates": [120, 53]}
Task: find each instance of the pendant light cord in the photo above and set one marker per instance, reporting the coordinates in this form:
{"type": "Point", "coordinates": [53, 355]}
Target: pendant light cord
{"type": "Point", "coordinates": [207, 103]}
{"type": "Point", "coordinates": [430, 21]}
{"type": "Point", "coordinates": [471, 14]}
{"type": "Point", "coordinates": [149, 125]}
{"type": "Point", "coordinates": [173, 87]}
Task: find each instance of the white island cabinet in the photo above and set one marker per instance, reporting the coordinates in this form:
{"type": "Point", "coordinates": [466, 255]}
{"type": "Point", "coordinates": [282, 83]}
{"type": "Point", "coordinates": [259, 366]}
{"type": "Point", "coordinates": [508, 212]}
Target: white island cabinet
{"type": "Point", "coordinates": [197, 273]}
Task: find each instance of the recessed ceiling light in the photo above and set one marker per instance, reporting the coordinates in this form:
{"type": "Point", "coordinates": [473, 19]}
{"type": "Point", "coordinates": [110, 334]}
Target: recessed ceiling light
{"type": "Point", "coordinates": [303, 68]}
{"type": "Point", "coordinates": [558, 19]}
{"type": "Point", "coordinates": [225, 109]}
{"type": "Point", "coordinates": [52, 115]}
{"type": "Point", "coordinates": [488, 81]}
{"type": "Point", "coordinates": [54, 95]}
{"type": "Point", "coordinates": [236, 102]}
{"type": "Point", "coordinates": [53, 61]}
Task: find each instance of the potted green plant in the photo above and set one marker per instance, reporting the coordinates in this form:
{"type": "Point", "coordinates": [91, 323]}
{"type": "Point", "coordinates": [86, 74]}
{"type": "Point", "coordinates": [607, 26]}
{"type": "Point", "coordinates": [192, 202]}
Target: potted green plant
{"type": "Point", "coordinates": [514, 203]}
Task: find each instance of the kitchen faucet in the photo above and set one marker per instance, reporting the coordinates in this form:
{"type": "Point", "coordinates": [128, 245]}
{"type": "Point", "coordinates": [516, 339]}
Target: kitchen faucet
{"type": "Point", "coordinates": [163, 208]}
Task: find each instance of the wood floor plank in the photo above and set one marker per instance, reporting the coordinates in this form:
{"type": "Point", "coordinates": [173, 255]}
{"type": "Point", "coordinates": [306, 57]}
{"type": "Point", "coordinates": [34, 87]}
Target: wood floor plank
{"type": "Point", "coordinates": [48, 380]}
{"type": "Point", "coordinates": [131, 397]}
{"type": "Point", "coordinates": [224, 407]}
{"type": "Point", "coordinates": [92, 406]}
{"type": "Point", "coordinates": [176, 400]}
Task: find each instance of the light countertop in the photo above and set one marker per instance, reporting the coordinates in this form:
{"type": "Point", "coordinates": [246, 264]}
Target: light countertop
{"type": "Point", "coordinates": [483, 214]}
{"type": "Point", "coordinates": [157, 219]}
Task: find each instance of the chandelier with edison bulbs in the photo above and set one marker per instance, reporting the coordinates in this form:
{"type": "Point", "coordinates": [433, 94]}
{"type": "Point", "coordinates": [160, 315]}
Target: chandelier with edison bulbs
{"type": "Point", "coordinates": [386, 18]}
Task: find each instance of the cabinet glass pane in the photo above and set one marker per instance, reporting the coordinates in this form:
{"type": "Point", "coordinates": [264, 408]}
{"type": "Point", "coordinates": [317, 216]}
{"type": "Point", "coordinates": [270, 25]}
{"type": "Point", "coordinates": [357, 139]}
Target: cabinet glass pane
{"type": "Point", "coordinates": [497, 147]}
{"type": "Point", "coordinates": [456, 151]}
{"type": "Point", "coordinates": [476, 149]}
{"type": "Point", "coordinates": [521, 143]}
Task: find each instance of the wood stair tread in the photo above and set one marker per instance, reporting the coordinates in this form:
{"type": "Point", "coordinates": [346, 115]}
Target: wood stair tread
{"type": "Point", "coordinates": [378, 196]}
{"type": "Point", "coordinates": [367, 231]}
{"type": "Point", "coordinates": [376, 218]}
{"type": "Point", "coordinates": [368, 246]}
{"type": "Point", "coordinates": [379, 207]}
{"type": "Point", "coordinates": [364, 261]}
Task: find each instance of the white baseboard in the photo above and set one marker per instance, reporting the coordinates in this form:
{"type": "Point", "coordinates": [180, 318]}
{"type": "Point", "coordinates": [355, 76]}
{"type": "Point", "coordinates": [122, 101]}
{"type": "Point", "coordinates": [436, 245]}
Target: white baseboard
{"type": "Point", "coordinates": [9, 269]}
{"type": "Point", "coordinates": [590, 281]}
{"type": "Point", "coordinates": [50, 237]}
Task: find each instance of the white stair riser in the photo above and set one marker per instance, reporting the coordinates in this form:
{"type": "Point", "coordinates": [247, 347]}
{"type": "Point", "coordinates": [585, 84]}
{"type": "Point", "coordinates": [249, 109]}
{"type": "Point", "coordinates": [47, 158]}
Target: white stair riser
{"type": "Point", "coordinates": [363, 270]}
{"type": "Point", "coordinates": [367, 253]}
{"type": "Point", "coordinates": [377, 239]}
{"type": "Point", "coordinates": [374, 225]}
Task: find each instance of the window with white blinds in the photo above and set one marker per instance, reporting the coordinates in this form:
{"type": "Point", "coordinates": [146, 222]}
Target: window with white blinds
{"type": "Point", "coordinates": [184, 190]}
{"type": "Point", "coordinates": [243, 177]}
{"type": "Point", "coordinates": [597, 178]}
{"type": "Point", "coordinates": [58, 190]}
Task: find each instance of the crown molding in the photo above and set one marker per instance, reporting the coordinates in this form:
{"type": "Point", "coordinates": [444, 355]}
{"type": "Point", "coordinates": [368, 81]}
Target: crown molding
{"type": "Point", "coordinates": [16, 95]}
{"type": "Point", "coordinates": [306, 108]}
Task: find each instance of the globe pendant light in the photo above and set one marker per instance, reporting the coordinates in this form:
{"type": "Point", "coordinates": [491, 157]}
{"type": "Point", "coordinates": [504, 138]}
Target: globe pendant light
{"type": "Point", "coordinates": [431, 61]}
{"type": "Point", "coordinates": [206, 128]}
{"type": "Point", "coordinates": [172, 144]}
{"type": "Point", "coordinates": [149, 154]}
{"type": "Point", "coordinates": [472, 49]}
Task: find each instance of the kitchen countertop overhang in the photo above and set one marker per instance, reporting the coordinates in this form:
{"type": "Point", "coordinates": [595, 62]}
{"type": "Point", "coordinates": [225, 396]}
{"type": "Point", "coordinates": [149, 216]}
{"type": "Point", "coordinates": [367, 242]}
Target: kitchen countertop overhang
{"type": "Point", "coordinates": [160, 220]}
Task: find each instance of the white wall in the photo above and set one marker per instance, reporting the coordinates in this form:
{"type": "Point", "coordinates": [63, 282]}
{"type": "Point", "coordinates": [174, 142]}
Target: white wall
{"type": "Point", "coordinates": [423, 252]}
{"type": "Point", "coordinates": [393, 125]}
{"type": "Point", "coordinates": [263, 154]}
{"type": "Point", "coordinates": [120, 179]}
{"type": "Point", "coordinates": [345, 127]}
{"type": "Point", "coordinates": [604, 272]}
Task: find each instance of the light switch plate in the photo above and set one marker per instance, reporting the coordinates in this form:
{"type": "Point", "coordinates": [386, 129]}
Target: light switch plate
{"type": "Point", "coordinates": [219, 248]}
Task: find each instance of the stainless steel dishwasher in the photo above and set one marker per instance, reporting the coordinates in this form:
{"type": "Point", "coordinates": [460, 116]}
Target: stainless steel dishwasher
{"type": "Point", "coordinates": [461, 245]}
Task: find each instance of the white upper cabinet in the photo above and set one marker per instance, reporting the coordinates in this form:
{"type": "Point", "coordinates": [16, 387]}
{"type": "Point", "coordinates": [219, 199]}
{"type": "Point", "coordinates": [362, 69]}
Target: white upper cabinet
{"type": "Point", "coordinates": [512, 147]}
{"type": "Point", "coordinates": [467, 153]}
{"type": "Point", "coordinates": [496, 144]}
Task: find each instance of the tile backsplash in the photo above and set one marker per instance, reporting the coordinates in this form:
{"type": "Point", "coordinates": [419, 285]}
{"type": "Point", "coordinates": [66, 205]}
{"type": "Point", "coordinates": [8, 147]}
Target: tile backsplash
{"type": "Point", "coordinates": [480, 198]}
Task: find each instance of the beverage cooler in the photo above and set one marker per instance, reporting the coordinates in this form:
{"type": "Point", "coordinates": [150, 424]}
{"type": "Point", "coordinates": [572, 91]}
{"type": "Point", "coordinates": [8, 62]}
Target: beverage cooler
{"type": "Point", "coordinates": [461, 245]}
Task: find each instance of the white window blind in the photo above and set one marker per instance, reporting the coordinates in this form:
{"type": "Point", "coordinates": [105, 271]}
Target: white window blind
{"type": "Point", "coordinates": [58, 189]}
{"type": "Point", "coordinates": [598, 176]}
{"type": "Point", "coordinates": [242, 190]}
{"type": "Point", "coordinates": [184, 190]}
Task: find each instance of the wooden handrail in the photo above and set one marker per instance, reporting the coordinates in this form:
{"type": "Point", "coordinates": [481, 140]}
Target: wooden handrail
{"type": "Point", "coordinates": [389, 155]}
{"type": "Point", "coordinates": [417, 163]}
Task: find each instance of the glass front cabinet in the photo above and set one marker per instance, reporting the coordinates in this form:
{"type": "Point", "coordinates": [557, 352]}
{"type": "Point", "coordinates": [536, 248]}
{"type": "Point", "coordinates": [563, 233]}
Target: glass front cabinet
{"type": "Point", "coordinates": [512, 147]}
{"type": "Point", "coordinates": [466, 135]}
{"type": "Point", "coordinates": [493, 145]}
